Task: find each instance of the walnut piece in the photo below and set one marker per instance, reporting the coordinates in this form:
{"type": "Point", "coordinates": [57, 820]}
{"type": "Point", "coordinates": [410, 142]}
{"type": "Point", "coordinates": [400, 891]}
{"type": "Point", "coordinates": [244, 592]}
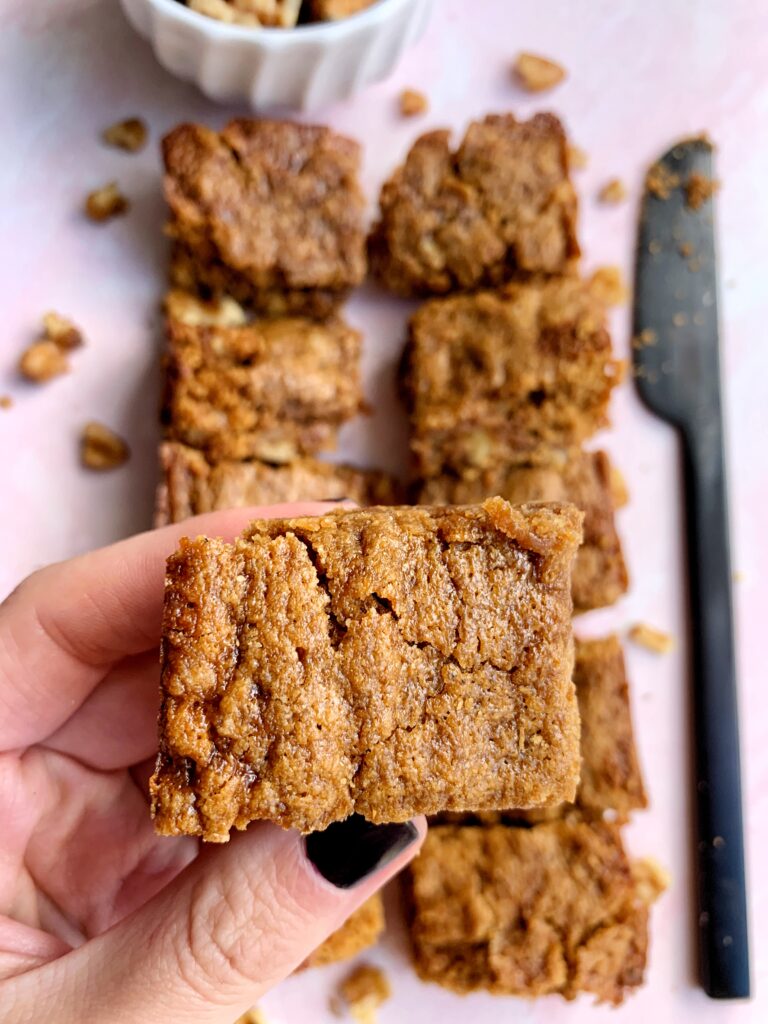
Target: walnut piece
{"type": "Point", "coordinates": [106, 202]}
{"type": "Point", "coordinates": [612, 192]}
{"type": "Point", "coordinates": [188, 309]}
{"type": "Point", "coordinates": [130, 134]}
{"type": "Point", "coordinates": [42, 361]}
{"type": "Point", "coordinates": [250, 13]}
{"type": "Point", "coordinates": [252, 1016]}
{"type": "Point", "coordinates": [364, 990]}
{"type": "Point", "coordinates": [536, 74]}
{"type": "Point", "coordinates": [101, 448]}
{"type": "Point", "coordinates": [608, 285]}
{"type": "Point", "coordinates": [413, 102]}
{"type": "Point", "coordinates": [652, 639]}
{"type": "Point", "coordinates": [61, 332]}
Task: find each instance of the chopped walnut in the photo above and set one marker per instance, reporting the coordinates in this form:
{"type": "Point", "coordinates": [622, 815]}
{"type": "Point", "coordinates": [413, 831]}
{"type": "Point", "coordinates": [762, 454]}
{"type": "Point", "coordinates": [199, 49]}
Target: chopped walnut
{"type": "Point", "coordinates": [660, 181]}
{"type": "Point", "coordinates": [101, 448]}
{"type": "Point", "coordinates": [619, 489]}
{"type": "Point", "coordinates": [252, 1016]}
{"type": "Point", "coordinates": [612, 192]}
{"type": "Point", "coordinates": [536, 74]}
{"type": "Point", "coordinates": [652, 639]}
{"type": "Point", "coordinates": [608, 285]}
{"type": "Point", "coordinates": [577, 158]}
{"type": "Point", "coordinates": [413, 102]}
{"type": "Point", "coordinates": [5, 401]}
{"type": "Point", "coordinates": [61, 331]}
{"type": "Point", "coordinates": [188, 309]}
{"type": "Point", "coordinates": [249, 13]}
{"type": "Point", "coordinates": [106, 202]}
{"type": "Point", "coordinates": [130, 134]}
{"type": "Point", "coordinates": [42, 361]}
{"type": "Point", "coordinates": [698, 190]}
{"type": "Point", "coordinates": [364, 990]}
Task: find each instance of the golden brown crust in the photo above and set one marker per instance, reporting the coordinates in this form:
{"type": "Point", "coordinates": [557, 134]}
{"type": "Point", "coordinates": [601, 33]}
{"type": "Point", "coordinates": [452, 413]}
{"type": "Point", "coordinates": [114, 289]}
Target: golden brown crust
{"type": "Point", "coordinates": [387, 662]}
{"type": "Point", "coordinates": [528, 911]}
{"type": "Point", "coordinates": [584, 478]}
{"type": "Point", "coordinates": [269, 212]}
{"type": "Point", "coordinates": [491, 375]}
{"type": "Point", "coordinates": [360, 931]}
{"type": "Point", "coordinates": [273, 389]}
{"type": "Point", "coordinates": [192, 485]}
{"type": "Point", "coordinates": [501, 204]}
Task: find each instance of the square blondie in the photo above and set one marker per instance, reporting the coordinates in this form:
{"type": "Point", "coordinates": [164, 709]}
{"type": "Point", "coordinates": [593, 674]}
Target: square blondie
{"type": "Point", "coordinates": [388, 662]}
{"type": "Point", "coordinates": [553, 474]}
{"type": "Point", "coordinates": [192, 485]}
{"type": "Point", "coordinates": [556, 908]}
{"type": "Point", "coordinates": [488, 376]}
{"type": "Point", "coordinates": [269, 212]}
{"type": "Point", "coordinates": [273, 389]}
{"type": "Point", "coordinates": [501, 205]}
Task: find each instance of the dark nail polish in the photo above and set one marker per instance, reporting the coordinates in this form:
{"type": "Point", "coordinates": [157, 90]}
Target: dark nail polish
{"type": "Point", "coordinates": [348, 851]}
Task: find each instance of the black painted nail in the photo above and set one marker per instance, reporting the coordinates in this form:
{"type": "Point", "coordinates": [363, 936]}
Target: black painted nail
{"type": "Point", "coordinates": [348, 851]}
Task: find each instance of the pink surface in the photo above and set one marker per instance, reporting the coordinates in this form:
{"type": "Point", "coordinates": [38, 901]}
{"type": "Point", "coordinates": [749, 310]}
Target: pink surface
{"type": "Point", "coordinates": [640, 75]}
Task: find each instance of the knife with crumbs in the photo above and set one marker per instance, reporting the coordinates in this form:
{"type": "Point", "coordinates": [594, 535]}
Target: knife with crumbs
{"type": "Point", "coordinates": [677, 372]}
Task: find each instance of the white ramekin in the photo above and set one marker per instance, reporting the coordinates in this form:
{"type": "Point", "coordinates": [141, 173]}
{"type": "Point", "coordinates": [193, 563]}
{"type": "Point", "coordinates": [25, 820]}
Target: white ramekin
{"type": "Point", "coordinates": [305, 67]}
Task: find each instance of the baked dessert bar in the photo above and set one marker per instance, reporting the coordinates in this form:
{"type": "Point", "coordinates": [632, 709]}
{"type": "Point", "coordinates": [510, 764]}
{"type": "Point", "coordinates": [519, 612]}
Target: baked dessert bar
{"type": "Point", "coordinates": [491, 375]}
{"type": "Point", "coordinates": [269, 212]}
{"type": "Point", "coordinates": [554, 474]}
{"type": "Point", "coordinates": [387, 662]}
{"type": "Point", "coordinates": [611, 784]}
{"type": "Point", "coordinates": [332, 10]}
{"type": "Point", "coordinates": [272, 389]}
{"type": "Point", "coordinates": [192, 485]}
{"type": "Point", "coordinates": [360, 931]}
{"type": "Point", "coordinates": [556, 908]}
{"type": "Point", "coordinates": [500, 205]}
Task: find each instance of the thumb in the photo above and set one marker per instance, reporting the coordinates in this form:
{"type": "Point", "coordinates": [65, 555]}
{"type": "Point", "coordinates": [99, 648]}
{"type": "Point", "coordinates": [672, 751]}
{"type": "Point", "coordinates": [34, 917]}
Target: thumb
{"type": "Point", "coordinates": [239, 919]}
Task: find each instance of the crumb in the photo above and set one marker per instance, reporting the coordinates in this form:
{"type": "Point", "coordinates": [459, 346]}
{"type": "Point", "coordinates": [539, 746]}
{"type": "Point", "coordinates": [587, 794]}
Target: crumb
{"type": "Point", "coordinates": [645, 338]}
{"type": "Point", "coordinates": [252, 1016]}
{"type": "Point", "coordinates": [652, 639]}
{"type": "Point", "coordinates": [536, 74]}
{"type": "Point", "coordinates": [101, 448]}
{"type": "Point", "coordinates": [607, 284]}
{"type": "Point", "coordinates": [130, 134]}
{"type": "Point", "coordinates": [679, 319]}
{"type": "Point", "coordinates": [698, 190]}
{"type": "Point", "coordinates": [6, 402]}
{"type": "Point", "coordinates": [650, 878]}
{"type": "Point", "coordinates": [660, 181]}
{"type": "Point", "coordinates": [612, 192]}
{"type": "Point", "coordinates": [42, 361]}
{"type": "Point", "coordinates": [654, 247]}
{"type": "Point", "coordinates": [694, 265]}
{"type": "Point", "coordinates": [61, 332]}
{"type": "Point", "coordinates": [106, 202]}
{"type": "Point", "coordinates": [364, 990]}
{"type": "Point", "coordinates": [577, 158]}
{"type": "Point", "coordinates": [413, 102]}
{"type": "Point", "coordinates": [619, 489]}
{"type": "Point", "coordinates": [686, 249]}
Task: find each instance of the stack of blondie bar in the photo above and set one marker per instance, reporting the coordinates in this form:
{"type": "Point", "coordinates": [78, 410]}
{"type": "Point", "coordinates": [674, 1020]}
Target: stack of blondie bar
{"type": "Point", "coordinates": [508, 369]}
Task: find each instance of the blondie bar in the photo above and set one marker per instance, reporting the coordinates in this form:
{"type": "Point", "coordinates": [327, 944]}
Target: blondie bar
{"type": "Point", "coordinates": [491, 375]}
{"type": "Point", "coordinates": [500, 205]}
{"type": "Point", "coordinates": [553, 474]}
{"type": "Point", "coordinates": [529, 911]}
{"type": "Point", "coordinates": [272, 389]}
{"type": "Point", "coordinates": [387, 662]}
{"type": "Point", "coordinates": [192, 485]}
{"type": "Point", "coordinates": [360, 931]}
{"type": "Point", "coordinates": [269, 212]}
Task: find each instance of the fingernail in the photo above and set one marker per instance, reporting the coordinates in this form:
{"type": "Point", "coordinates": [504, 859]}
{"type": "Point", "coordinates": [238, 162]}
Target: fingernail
{"type": "Point", "coordinates": [348, 851]}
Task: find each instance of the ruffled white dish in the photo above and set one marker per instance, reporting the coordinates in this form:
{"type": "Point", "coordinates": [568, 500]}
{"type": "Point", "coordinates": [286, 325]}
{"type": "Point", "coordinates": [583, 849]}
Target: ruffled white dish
{"type": "Point", "coordinates": [304, 67]}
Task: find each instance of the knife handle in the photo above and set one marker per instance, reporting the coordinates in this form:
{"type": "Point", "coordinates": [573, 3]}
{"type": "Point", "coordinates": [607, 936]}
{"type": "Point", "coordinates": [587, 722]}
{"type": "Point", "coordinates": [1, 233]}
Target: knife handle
{"type": "Point", "coordinates": [722, 905]}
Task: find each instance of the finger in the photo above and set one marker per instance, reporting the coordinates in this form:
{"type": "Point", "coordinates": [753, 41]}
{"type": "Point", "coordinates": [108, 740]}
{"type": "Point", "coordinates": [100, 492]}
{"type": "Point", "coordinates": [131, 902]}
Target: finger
{"type": "Point", "coordinates": [64, 625]}
{"type": "Point", "coordinates": [233, 924]}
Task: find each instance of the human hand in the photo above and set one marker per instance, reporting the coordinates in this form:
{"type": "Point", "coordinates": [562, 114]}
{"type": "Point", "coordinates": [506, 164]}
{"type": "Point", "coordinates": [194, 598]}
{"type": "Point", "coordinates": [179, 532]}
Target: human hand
{"type": "Point", "coordinates": [100, 919]}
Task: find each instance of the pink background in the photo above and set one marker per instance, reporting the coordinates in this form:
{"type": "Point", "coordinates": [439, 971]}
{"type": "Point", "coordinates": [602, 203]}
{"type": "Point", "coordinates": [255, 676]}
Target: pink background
{"type": "Point", "coordinates": [640, 75]}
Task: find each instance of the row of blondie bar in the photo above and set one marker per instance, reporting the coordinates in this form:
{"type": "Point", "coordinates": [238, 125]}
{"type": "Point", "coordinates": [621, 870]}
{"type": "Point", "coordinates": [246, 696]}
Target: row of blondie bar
{"type": "Point", "coordinates": [508, 369]}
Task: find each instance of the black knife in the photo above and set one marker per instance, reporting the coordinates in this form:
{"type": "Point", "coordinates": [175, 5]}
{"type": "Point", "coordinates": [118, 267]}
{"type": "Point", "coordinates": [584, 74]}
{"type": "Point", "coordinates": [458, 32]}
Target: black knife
{"type": "Point", "coordinates": [677, 371]}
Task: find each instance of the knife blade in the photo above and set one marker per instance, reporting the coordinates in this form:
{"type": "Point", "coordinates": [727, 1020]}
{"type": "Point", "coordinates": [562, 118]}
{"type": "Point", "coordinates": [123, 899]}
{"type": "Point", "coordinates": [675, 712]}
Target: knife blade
{"type": "Point", "coordinates": [677, 371]}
